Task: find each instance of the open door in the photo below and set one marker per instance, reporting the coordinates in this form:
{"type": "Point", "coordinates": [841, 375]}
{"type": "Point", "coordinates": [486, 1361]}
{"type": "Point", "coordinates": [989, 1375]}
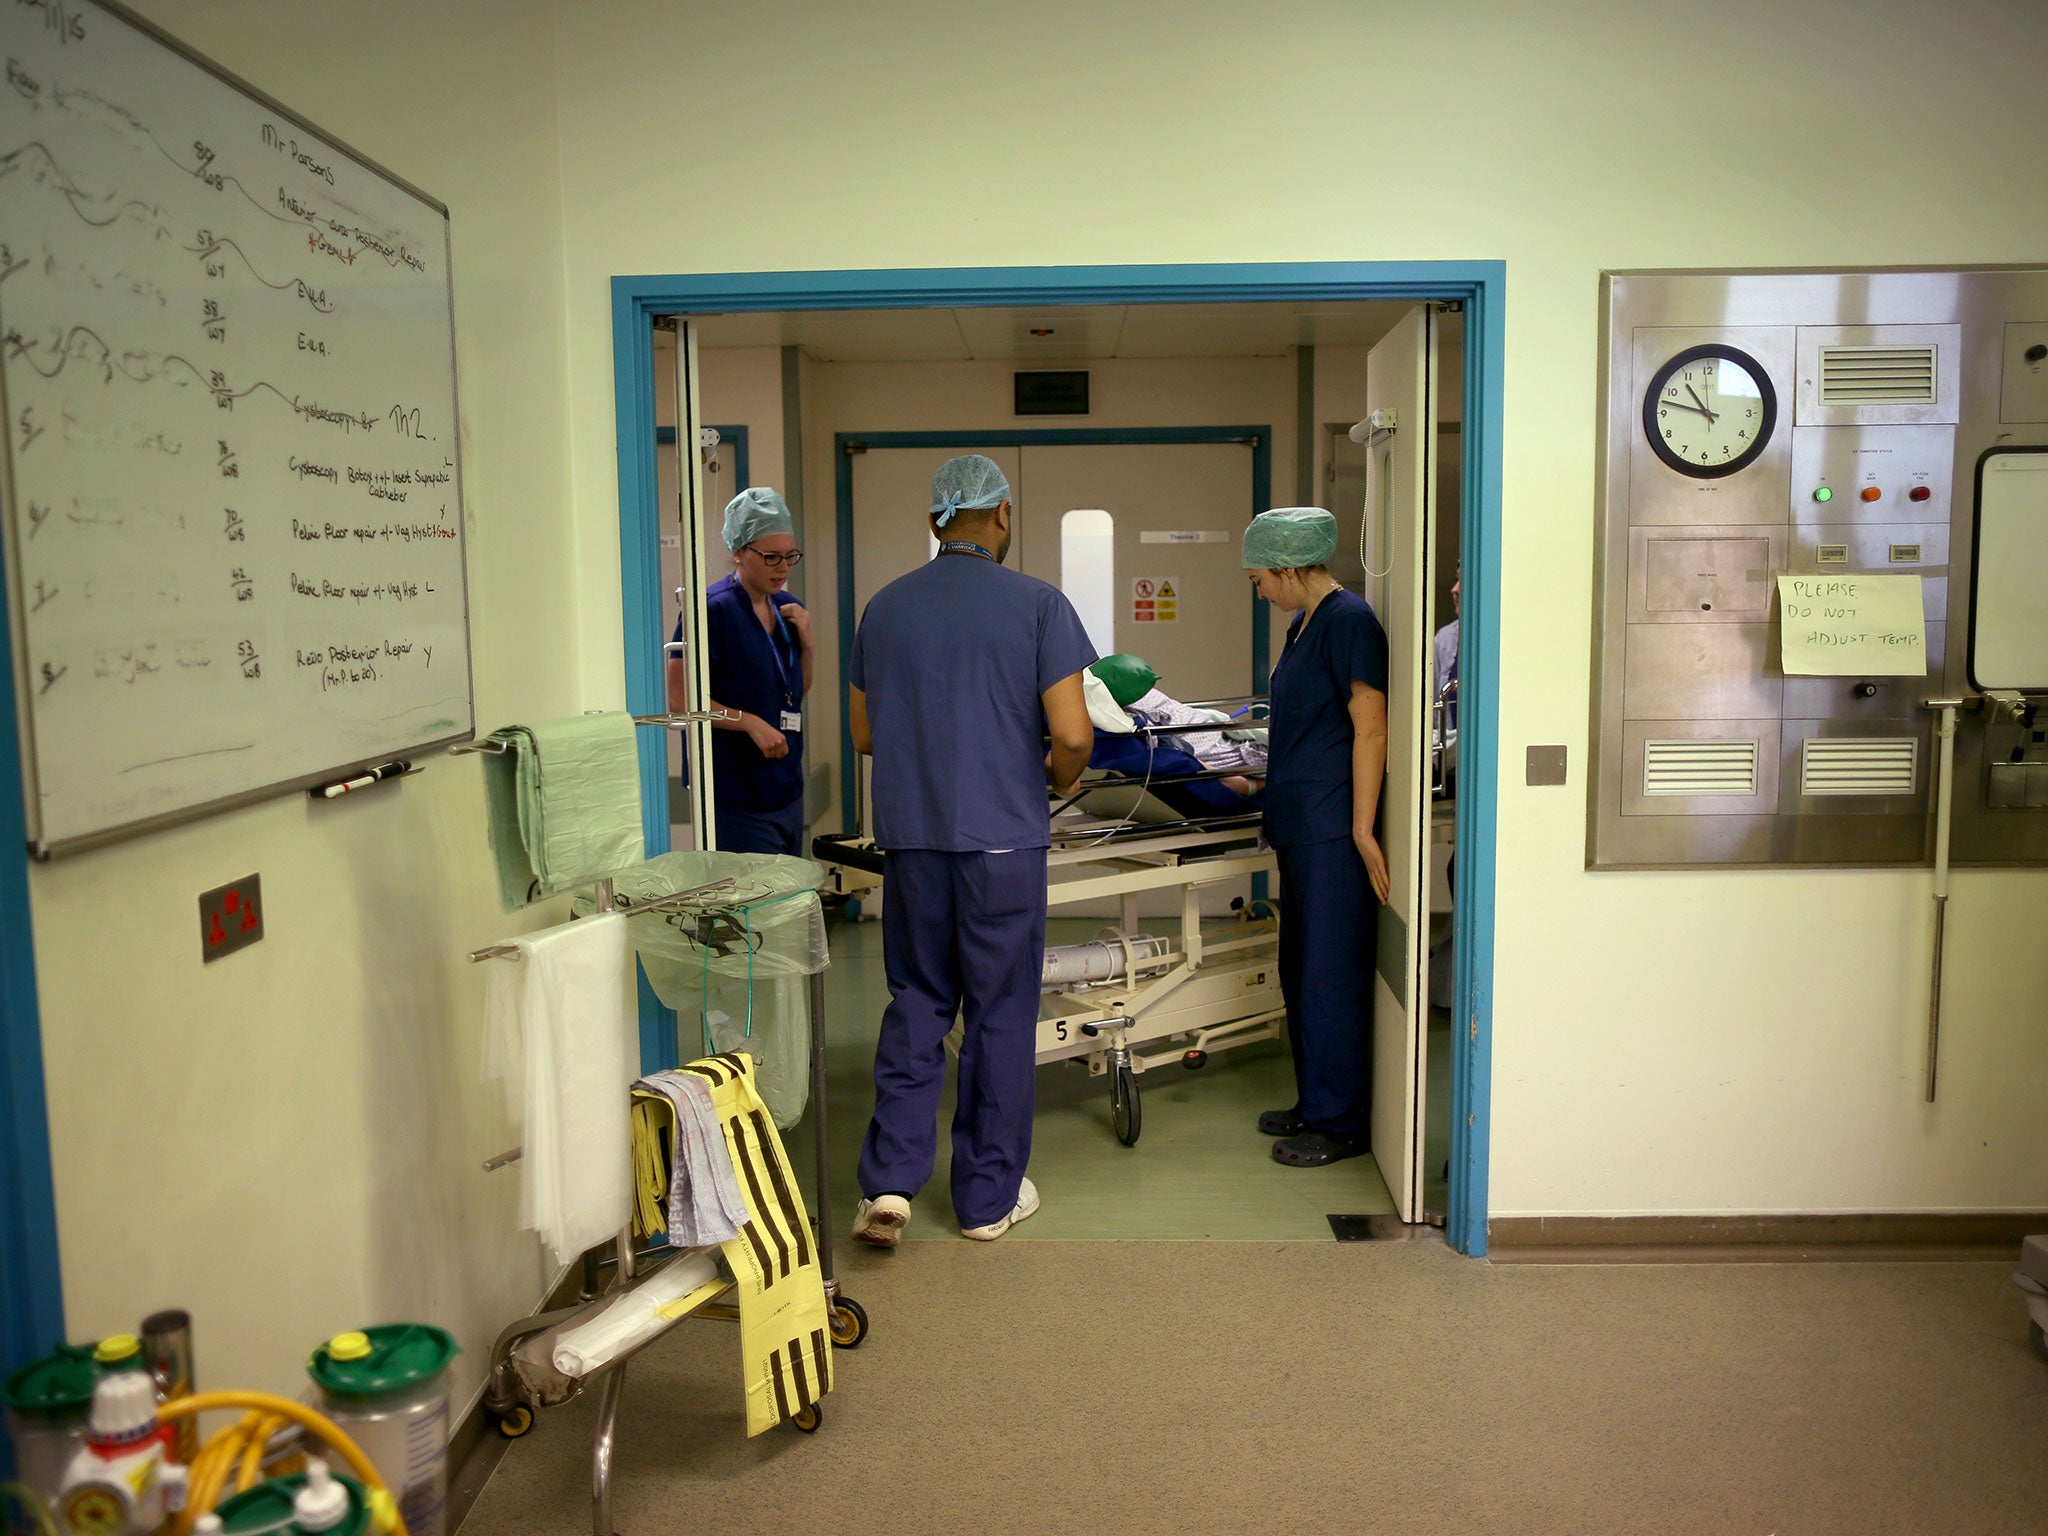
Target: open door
{"type": "Point", "coordinates": [690, 745]}
{"type": "Point", "coordinates": [1400, 395]}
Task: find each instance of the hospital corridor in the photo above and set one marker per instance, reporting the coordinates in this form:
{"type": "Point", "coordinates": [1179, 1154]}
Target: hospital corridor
{"type": "Point", "coordinates": [1020, 771]}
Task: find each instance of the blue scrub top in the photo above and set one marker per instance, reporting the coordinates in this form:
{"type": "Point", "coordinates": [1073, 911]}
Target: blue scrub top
{"type": "Point", "coordinates": [760, 674]}
{"type": "Point", "coordinates": [1308, 775]}
{"type": "Point", "coordinates": [953, 659]}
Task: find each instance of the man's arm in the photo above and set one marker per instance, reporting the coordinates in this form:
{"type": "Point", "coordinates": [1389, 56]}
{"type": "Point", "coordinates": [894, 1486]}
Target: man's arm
{"type": "Point", "coordinates": [1073, 734]}
{"type": "Point", "coordinates": [857, 722]}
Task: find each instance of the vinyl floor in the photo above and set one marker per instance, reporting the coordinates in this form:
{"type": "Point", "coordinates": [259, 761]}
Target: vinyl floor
{"type": "Point", "coordinates": [1200, 1169]}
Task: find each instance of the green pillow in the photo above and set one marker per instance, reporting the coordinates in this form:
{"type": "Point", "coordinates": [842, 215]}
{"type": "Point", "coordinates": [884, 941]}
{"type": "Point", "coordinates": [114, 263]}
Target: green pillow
{"type": "Point", "coordinates": [1128, 677]}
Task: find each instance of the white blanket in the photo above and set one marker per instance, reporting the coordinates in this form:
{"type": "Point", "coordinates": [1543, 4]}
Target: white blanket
{"type": "Point", "coordinates": [562, 1033]}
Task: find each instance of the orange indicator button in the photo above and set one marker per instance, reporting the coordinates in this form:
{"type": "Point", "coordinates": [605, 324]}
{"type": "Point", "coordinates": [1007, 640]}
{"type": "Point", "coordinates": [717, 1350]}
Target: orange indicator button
{"type": "Point", "coordinates": [1870, 493]}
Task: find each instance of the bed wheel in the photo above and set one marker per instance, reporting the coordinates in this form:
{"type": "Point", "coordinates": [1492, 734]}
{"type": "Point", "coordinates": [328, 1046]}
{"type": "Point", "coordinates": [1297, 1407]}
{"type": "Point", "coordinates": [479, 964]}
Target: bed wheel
{"type": "Point", "coordinates": [1126, 1116]}
{"type": "Point", "coordinates": [1194, 1061]}
{"type": "Point", "coordinates": [515, 1422]}
{"type": "Point", "coordinates": [808, 1419]}
{"type": "Point", "coordinates": [849, 1323]}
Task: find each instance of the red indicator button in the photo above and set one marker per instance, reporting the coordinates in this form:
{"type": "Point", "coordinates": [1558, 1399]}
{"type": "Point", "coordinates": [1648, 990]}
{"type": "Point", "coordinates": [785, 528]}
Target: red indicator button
{"type": "Point", "coordinates": [1870, 493]}
{"type": "Point", "coordinates": [1919, 493]}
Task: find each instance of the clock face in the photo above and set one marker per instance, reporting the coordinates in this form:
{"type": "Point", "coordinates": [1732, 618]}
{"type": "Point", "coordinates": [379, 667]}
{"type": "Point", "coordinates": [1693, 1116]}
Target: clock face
{"type": "Point", "coordinates": [1709, 411]}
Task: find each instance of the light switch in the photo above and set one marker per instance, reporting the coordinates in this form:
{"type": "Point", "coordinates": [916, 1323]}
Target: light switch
{"type": "Point", "coordinates": [1546, 766]}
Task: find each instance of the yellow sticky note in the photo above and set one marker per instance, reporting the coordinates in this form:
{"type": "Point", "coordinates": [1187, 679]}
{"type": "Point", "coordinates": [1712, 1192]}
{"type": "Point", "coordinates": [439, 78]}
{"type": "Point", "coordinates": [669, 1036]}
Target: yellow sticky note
{"type": "Point", "coordinates": [1852, 625]}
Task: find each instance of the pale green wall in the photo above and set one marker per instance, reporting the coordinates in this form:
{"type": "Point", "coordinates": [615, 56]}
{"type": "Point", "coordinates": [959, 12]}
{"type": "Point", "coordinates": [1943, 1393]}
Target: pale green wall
{"type": "Point", "coordinates": [290, 1144]}
{"type": "Point", "coordinates": [1697, 1042]}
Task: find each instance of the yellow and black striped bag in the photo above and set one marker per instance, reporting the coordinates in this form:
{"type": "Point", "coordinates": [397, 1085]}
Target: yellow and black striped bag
{"type": "Point", "coordinates": [785, 1342]}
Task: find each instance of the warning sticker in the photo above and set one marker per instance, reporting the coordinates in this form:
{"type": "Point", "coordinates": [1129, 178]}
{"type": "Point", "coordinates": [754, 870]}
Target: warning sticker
{"type": "Point", "coordinates": [1154, 600]}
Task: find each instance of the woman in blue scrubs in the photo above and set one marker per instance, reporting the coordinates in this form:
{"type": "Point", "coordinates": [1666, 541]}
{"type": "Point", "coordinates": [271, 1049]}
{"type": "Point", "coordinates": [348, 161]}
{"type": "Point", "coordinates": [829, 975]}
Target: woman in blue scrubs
{"type": "Point", "coordinates": [758, 637]}
{"type": "Point", "coordinates": [1328, 742]}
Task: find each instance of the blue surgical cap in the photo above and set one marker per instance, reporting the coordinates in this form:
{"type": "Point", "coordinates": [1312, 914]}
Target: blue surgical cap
{"type": "Point", "coordinates": [756, 513]}
{"type": "Point", "coordinates": [1288, 537]}
{"type": "Point", "coordinates": [970, 483]}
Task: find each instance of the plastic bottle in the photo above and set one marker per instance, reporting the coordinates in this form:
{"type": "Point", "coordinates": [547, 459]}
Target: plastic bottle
{"type": "Point", "coordinates": [387, 1388]}
{"type": "Point", "coordinates": [122, 1481]}
{"type": "Point", "coordinates": [48, 1402]}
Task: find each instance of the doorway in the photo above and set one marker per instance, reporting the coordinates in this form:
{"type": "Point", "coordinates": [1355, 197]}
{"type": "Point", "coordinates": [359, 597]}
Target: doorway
{"type": "Point", "coordinates": [1476, 286]}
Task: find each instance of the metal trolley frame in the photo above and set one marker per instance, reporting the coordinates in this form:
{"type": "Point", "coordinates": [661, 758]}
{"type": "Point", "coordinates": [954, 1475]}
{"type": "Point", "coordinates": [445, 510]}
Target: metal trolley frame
{"type": "Point", "coordinates": [506, 1399]}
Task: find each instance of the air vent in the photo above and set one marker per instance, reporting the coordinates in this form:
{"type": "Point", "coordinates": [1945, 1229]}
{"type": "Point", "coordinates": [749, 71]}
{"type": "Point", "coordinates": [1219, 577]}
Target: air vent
{"type": "Point", "coordinates": [1858, 765]}
{"type": "Point", "coordinates": [1696, 767]}
{"type": "Point", "coordinates": [1877, 375]}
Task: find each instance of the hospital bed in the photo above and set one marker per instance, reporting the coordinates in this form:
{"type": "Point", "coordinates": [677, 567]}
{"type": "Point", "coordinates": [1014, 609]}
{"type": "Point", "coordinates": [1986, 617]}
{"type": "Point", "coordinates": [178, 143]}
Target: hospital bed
{"type": "Point", "coordinates": [1128, 1001]}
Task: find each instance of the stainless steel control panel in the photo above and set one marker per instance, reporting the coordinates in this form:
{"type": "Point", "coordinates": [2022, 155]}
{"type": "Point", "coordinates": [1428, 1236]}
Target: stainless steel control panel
{"type": "Point", "coordinates": [1759, 424]}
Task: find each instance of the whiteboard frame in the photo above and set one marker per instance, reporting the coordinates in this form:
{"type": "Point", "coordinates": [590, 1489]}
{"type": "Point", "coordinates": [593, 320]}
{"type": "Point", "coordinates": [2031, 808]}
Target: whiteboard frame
{"type": "Point", "coordinates": [38, 846]}
{"type": "Point", "coordinates": [1984, 459]}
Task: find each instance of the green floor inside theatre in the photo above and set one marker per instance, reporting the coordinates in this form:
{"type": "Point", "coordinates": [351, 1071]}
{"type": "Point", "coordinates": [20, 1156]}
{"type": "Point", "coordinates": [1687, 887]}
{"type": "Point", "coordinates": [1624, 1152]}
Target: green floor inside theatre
{"type": "Point", "coordinates": [1200, 1168]}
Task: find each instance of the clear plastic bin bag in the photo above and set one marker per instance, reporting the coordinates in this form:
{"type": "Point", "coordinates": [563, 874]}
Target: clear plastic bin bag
{"type": "Point", "coordinates": [733, 963]}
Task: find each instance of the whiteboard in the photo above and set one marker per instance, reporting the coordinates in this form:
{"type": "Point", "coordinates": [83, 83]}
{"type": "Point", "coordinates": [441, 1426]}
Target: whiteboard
{"type": "Point", "coordinates": [2009, 572]}
{"type": "Point", "coordinates": [232, 497]}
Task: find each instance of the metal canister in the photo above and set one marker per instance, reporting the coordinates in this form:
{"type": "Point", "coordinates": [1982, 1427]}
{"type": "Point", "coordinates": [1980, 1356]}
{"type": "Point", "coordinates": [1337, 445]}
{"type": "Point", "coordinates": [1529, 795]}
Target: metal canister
{"type": "Point", "coordinates": [268, 1508]}
{"type": "Point", "coordinates": [48, 1403]}
{"type": "Point", "coordinates": [387, 1387]}
{"type": "Point", "coordinates": [167, 1352]}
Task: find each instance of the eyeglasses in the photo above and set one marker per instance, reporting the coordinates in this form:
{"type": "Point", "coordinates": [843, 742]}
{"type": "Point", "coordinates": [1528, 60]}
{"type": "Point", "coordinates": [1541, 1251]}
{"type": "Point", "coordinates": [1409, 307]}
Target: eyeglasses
{"type": "Point", "coordinates": [794, 557]}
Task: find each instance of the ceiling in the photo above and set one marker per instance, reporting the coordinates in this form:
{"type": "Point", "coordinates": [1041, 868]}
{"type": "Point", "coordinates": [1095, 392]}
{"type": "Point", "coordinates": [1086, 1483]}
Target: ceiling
{"type": "Point", "coordinates": [1091, 331]}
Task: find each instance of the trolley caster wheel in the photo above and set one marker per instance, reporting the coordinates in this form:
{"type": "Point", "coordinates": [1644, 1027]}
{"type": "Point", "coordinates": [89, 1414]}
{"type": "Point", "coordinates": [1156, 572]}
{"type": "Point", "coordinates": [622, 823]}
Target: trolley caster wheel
{"type": "Point", "coordinates": [2038, 1338]}
{"type": "Point", "coordinates": [1126, 1116]}
{"type": "Point", "coordinates": [1194, 1061]}
{"type": "Point", "coordinates": [807, 1420]}
{"type": "Point", "coordinates": [848, 1323]}
{"type": "Point", "coordinates": [516, 1423]}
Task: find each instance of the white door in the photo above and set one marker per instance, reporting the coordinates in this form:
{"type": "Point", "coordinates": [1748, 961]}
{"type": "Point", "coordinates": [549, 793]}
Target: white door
{"type": "Point", "coordinates": [1400, 379]}
{"type": "Point", "coordinates": [1179, 510]}
{"type": "Point", "coordinates": [687, 568]}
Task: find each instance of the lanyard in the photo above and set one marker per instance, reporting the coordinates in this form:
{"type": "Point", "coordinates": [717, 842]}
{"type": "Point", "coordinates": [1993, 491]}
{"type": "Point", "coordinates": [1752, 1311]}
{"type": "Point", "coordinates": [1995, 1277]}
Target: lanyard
{"type": "Point", "coordinates": [967, 547]}
{"type": "Point", "coordinates": [789, 697]}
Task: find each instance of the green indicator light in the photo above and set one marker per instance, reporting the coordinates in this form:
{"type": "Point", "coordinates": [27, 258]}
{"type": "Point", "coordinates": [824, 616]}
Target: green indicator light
{"type": "Point", "coordinates": [1823, 494]}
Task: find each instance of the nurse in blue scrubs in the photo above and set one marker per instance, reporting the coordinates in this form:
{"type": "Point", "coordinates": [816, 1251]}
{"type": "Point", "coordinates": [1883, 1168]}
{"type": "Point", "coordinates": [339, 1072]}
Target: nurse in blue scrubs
{"type": "Point", "coordinates": [758, 637]}
{"type": "Point", "coordinates": [1328, 745]}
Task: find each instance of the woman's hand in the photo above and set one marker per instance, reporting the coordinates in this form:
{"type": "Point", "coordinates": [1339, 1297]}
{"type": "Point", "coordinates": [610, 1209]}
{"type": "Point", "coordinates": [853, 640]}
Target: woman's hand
{"type": "Point", "coordinates": [771, 742]}
{"type": "Point", "coordinates": [1375, 861]}
{"type": "Point", "coordinates": [798, 618]}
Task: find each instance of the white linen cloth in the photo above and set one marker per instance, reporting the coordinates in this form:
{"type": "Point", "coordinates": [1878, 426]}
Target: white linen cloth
{"type": "Point", "coordinates": [562, 1033]}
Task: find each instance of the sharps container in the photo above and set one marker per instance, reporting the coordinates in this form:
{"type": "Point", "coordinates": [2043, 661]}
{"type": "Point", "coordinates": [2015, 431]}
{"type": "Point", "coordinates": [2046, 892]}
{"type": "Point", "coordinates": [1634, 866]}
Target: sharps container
{"type": "Point", "coordinates": [308, 1502]}
{"type": "Point", "coordinates": [387, 1387]}
{"type": "Point", "coordinates": [48, 1403]}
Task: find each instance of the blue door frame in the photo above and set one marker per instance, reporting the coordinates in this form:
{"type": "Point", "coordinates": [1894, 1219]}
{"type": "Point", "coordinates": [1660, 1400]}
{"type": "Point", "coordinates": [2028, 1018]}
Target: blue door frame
{"type": "Point", "coordinates": [1479, 285]}
{"type": "Point", "coordinates": [1260, 440]}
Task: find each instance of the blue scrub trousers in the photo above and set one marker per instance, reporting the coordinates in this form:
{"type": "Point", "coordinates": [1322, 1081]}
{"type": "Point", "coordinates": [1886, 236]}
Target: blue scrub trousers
{"type": "Point", "coordinates": [742, 831]}
{"type": "Point", "coordinates": [1328, 940]}
{"type": "Point", "coordinates": [962, 934]}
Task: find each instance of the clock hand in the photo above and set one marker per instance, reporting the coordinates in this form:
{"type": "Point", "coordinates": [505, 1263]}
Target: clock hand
{"type": "Point", "coordinates": [1711, 416]}
{"type": "Point", "coordinates": [1697, 410]}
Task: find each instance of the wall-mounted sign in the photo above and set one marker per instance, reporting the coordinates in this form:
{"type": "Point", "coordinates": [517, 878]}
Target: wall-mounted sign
{"type": "Point", "coordinates": [1155, 600]}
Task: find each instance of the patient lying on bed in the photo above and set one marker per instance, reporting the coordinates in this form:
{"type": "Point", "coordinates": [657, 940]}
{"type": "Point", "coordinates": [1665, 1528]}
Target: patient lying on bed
{"type": "Point", "coordinates": [1123, 699]}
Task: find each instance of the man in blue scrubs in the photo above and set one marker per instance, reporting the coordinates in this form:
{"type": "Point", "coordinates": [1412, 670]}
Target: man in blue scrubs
{"type": "Point", "coordinates": [959, 673]}
{"type": "Point", "coordinates": [758, 637]}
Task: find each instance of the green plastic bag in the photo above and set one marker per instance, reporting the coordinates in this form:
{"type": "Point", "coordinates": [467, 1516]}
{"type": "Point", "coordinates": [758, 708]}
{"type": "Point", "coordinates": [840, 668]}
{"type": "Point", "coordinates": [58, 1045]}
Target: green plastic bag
{"type": "Point", "coordinates": [1129, 678]}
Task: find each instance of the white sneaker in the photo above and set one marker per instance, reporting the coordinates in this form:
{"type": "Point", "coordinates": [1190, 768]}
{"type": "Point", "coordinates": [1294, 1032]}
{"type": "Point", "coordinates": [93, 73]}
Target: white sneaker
{"type": "Point", "coordinates": [1027, 1205]}
{"type": "Point", "coordinates": [881, 1221]}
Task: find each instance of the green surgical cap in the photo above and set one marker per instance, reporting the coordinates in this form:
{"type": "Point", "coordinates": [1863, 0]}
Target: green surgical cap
{"type": "Point", "coordinates": [1287, 537]}
{"type": "Point", "coordinates": [1128, 678]}
{"type": "Point", "coordinates": [756, 513]}
{"type": "Point", "coordinates": [970, 483]}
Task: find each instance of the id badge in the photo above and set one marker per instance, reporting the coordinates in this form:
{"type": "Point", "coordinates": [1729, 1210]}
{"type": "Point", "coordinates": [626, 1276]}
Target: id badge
{"type": "Point", "coordinates": [792, 720]}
